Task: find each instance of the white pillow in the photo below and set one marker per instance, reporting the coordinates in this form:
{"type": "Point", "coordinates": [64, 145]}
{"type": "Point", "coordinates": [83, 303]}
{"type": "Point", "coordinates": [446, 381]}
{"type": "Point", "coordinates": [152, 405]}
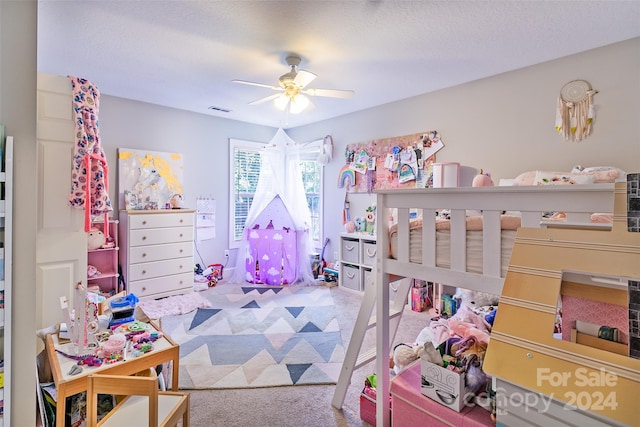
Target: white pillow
{"type": "Point", "coordinates": [605, 173]}
{"type": "Point", "coordinates": [559, 178]}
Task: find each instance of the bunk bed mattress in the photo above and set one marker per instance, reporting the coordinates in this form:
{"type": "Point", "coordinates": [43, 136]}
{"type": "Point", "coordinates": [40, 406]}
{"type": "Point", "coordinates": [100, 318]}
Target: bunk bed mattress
{"type": "Point", "coordinates": [509, 223]}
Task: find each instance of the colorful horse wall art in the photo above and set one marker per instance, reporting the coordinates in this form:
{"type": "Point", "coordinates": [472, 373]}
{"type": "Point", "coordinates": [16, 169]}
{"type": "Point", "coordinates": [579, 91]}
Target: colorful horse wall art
{"type": "Point", "coordinates": [148, 180]}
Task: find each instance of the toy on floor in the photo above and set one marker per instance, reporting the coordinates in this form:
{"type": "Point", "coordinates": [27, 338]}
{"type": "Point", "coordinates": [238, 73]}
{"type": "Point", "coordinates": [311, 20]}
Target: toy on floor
{"type": "Point", "coordinates": [475, 300]}
{"type": "Point", "coordinates": [405, 354]}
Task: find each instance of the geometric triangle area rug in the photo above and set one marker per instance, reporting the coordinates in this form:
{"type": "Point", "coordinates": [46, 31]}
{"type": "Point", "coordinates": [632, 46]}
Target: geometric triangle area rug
{"type": "Point", "coordinates": [253, 336]}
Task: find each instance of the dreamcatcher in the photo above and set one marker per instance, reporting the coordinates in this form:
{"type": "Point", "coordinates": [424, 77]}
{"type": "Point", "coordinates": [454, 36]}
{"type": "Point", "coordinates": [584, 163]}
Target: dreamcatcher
{"type": "Point", "coordinates": [575, 112]}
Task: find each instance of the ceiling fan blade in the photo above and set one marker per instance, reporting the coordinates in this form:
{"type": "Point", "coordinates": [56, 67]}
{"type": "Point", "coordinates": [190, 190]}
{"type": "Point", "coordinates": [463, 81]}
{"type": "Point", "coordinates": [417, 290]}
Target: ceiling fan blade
{"type": "Point", "coordinates": [244, 82]}
{"type": "Point", "coordinates": [303, 78]}
{"type": "Point", "coordinates": [265, 99]}
{"type": "Point", "coordinates": [331, 93]}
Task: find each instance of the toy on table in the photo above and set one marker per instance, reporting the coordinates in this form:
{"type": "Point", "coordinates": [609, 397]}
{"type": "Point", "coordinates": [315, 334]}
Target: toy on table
{"type": "Point", "coordinates": [123, 310]}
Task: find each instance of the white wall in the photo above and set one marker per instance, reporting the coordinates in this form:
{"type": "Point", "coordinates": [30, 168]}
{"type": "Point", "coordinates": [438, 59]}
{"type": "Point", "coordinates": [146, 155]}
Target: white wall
{"type": "Point", "coordinates": [18, 46]}
{"type": "Point", "coordinates": [503, 124]}
{"type": "Point", "coordinates": [202, 140]}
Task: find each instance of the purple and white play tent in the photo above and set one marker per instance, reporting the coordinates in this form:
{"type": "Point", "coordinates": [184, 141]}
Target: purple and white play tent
{"type": "Point", "coordinates": [277, 246]}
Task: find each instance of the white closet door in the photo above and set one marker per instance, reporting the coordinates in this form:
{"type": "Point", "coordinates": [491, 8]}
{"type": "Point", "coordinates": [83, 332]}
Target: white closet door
{"type": "Point", "coordinates": [61, 243]}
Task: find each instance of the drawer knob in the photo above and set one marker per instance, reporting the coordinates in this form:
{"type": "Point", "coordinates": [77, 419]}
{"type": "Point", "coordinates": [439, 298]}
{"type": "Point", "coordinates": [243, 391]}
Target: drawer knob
{"type": "Point", "coordinates": [144, 237]}
{"type": "Point", "coordinates": [180, 234]}
{"type": "Point", "coordinates": [181, 250]}
{"type": "Point", "coordinates": [144, 288]}
{"type": "Point", "coordinates": [144, 222]}
{"type": "Point", "coordinates": [144, 254]}
{"type": "Point", "coordinates": [144, 271]}
{"type": "Point", "coordinates": [180, 267]}
{"type": "Point", "coordinates": [181, 282]}
{"type": "Point", "coordinates": [182, 220]}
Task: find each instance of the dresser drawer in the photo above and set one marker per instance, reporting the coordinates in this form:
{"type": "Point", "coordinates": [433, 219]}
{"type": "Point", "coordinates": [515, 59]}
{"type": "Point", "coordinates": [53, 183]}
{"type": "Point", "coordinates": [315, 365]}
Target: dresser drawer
{"type": "Point", "coordinates": [160, 235]}
{"type": "Point", "coordinates": [350, 251]}
{"type": "Point", "coordinates": [177, 283]}
{"type": "Point", "coordinates": [160, 220]}
{"type": "Point", "coordinates": [139, 254]}
{"type": "Point", "coordinates": [149, 270]}
{"type": "Point", "coordinates": [369, 255]}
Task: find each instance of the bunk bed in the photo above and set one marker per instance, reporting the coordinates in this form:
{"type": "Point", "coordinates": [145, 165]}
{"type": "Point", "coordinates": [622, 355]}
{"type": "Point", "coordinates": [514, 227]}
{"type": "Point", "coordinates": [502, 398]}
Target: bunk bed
{"type": "Point", "coordinates": [401, 258]}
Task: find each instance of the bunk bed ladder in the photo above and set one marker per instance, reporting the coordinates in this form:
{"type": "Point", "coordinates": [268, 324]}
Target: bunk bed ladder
{"type": "Point", "coordinates": [354, 359]}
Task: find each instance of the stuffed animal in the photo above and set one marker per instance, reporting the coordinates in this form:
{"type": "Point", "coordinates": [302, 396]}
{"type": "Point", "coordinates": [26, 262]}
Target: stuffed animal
{"type": "Point", "coordinates": [176, 201]}
{"type": "Point", "coordinates": [475, 300]}
{"type": "Point", "coordinates": [350, 226]}
{"type": "Point", "coordinates": [483, 179]}
{"type": "Point", "coordinates": [95, 238]}
{"type": "Point", "coordinates": [405, 354]}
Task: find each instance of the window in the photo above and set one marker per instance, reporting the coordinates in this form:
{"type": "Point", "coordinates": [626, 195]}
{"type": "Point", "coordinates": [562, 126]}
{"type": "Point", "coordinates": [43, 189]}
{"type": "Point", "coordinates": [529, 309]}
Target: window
{"type": "Point", "coordinates": [245, 158]}
{"type": "Point", "coordinates": [312, 181]}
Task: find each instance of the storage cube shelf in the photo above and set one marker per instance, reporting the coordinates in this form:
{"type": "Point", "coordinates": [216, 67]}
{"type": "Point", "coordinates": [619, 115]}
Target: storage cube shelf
{"type": "Point", "coordinates": [357, 259]}
{"type": "Point", "coordinates": [105, 260]}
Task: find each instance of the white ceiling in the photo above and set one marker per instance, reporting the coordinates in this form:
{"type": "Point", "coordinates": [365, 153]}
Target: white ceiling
{"type": "Point", "coordinates": [184, 53]}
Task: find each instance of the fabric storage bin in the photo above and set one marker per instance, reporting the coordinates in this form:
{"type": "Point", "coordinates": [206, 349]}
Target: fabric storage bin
{"type": "Point", "coordinates": [366, 276]}
{"type": "Point", "coordinates": [349, 277]}
{"type": "Point", "coordinates": [369, 255]}
{"type": "Point", "coordinates": [350, 252]}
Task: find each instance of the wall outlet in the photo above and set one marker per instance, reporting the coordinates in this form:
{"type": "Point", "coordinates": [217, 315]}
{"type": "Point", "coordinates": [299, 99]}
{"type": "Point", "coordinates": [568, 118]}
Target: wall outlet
{"type": "Point", "coordinates": [226, 253]}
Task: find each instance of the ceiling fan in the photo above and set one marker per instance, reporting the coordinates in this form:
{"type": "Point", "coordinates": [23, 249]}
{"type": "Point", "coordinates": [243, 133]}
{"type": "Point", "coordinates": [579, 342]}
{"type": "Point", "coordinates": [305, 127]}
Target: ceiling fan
{"type": "Point", "coordinates": [291, 88]}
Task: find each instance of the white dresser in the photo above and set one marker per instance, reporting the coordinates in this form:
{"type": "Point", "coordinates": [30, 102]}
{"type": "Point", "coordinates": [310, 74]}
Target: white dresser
{"type": "Point", "coordinates": [156, 252]}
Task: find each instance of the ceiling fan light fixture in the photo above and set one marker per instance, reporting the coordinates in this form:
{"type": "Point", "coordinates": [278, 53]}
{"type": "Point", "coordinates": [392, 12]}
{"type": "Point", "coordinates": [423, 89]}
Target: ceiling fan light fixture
{"type": "Point", "coordinates": [298, 103]}
{"type": "Point", "coordinates": [281, 102]}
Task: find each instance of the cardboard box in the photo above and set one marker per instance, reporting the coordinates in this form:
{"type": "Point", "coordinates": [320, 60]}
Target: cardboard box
{"type": "Point", "coordinates": [444, 386]}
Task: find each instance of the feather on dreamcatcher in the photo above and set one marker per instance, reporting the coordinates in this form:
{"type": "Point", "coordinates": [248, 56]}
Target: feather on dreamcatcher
{"type": "Point", "coordinates": [575, 111]}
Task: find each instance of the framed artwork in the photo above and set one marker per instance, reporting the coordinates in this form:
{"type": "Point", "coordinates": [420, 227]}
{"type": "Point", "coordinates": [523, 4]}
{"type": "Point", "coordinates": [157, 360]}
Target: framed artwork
{"type": "Point", "coordinates": [148, 179]}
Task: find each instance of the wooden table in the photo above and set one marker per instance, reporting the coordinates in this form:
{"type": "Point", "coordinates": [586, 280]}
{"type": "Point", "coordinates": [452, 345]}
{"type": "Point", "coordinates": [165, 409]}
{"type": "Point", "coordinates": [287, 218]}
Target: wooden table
{"type": "Point", "coordinates": [164, 350]}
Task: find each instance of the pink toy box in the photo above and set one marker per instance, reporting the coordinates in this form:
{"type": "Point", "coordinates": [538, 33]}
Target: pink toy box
{"type": "Point", "coordinates": [412, 408]}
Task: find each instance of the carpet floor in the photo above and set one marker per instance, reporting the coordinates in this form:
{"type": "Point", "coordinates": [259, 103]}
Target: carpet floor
{"type": "Point", "coordinates": [300, 405]}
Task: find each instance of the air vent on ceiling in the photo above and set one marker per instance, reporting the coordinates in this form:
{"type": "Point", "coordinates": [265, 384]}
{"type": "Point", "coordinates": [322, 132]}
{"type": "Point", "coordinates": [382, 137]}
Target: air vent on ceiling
{"type": "Point", "coordinates": [223, 110]}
